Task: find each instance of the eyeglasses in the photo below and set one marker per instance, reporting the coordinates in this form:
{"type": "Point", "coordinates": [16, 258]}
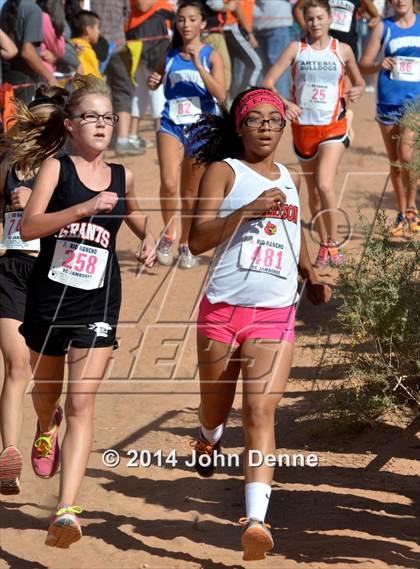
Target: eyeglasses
{"type": "Point", "coordinates": [110, 119]}
{"type": "Point", "coordinates": [275, 123]}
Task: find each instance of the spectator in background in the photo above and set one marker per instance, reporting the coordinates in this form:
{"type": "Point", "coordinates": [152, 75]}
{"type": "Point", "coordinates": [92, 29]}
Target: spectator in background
{"type": "Point", "coordinates": [113, 15]}
{"type": "Point", "coordinates": [53, 44]}
{"type": "Point", "coordinates": [22, 21]}
{"type": "Point", "coordinates": [86, 30]}
{"type": "Point", "coordinates": [216, 12]}
{"type": "Point", "coordinates": [246, 63]}
{"type": "Point", "coordinates": [273, 28]}
{"type": "Point", "coordinates": [148, 19]}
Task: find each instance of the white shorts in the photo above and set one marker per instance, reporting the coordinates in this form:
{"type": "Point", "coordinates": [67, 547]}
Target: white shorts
{"type": "Point", "coordinates": [144, 99]}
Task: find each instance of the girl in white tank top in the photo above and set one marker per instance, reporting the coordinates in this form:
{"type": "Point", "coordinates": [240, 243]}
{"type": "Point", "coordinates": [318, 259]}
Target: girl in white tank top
{"type": "Point", "coordinates": [248, 209]}
{"type": "Point", "coordinates": [318, 114]}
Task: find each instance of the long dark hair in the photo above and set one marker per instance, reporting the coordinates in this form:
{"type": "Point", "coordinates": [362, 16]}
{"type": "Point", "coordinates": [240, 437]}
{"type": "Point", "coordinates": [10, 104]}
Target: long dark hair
{"type": "Point", "coordinates": [177, 38]}
{"type": "Point", "coordinates": [55, 10]}
{"type": "Point", "coordinates": [219, 134]}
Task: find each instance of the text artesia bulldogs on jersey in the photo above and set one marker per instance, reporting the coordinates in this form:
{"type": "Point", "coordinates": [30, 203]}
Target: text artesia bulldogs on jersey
{"type": "Point", "coordinates": [87, 231]}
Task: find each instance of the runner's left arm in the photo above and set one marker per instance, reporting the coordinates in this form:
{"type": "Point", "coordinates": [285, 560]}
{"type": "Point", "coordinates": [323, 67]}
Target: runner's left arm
{"type": "Point", "coordinates": [139, 224]}
{"type": "Point", "coordinates": [214, 80]}
{"type": "Point", "coordinates": [358, 84]}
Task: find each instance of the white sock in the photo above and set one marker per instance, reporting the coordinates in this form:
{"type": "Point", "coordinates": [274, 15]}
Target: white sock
{"type": "Point", "coordinates": [257, 498]}
{"type": "Point", "coordinates": [213, 435]}
{"type": "Point", "coordinates": [121, 140]}
{"type": "Point", "coordinates": [133, 138]}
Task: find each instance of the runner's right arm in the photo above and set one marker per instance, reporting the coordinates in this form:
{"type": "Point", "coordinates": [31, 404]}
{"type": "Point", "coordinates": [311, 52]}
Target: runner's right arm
{"type": "Point", "coordinates": [208, 230]}
{"type": "Point", "coordinates": [367, 63]}
{"type": "Point", "coordinates": [36, 223]}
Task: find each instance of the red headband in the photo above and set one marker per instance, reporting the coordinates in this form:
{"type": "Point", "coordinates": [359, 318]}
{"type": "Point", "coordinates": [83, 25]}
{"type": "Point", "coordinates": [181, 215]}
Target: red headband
{"type": "Point", "coordinates": [254, 98]}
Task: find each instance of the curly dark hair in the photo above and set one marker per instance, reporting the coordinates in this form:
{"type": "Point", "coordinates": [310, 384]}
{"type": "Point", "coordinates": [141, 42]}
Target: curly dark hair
{"type": "Point", "coordinates": [221, 139]}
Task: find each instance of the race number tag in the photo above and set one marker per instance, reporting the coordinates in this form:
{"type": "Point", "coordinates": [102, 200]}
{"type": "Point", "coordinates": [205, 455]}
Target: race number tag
{"type": "Point", "coordinates": [11, 233]}
{"type": "Point", "coordinates": [185, 111]}
{"type": "Point", "coordinates": [314, 95]}
{"type": "Point", "coordinates": [81, 266]}
{"type": "Point", "coordinates": [406, 69]}
{"type": "Point", "coordinates": [341, 16]}
{"type": "Point", "coordinates": [256, 255]}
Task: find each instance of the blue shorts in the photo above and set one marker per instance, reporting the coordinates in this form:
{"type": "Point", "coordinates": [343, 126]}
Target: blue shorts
{"type": "Point", "coordinates": [389, 114]}
{"type": "Point", "coordinates": [179, 131]}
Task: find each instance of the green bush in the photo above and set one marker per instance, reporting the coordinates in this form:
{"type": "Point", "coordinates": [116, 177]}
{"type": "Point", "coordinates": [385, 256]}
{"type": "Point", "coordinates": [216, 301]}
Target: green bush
{"type": "Point", "coordinates": [379, 291]}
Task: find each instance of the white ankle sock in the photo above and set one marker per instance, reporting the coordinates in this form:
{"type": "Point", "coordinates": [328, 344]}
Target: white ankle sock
{"type": "Point", "coordinates": [257, 497]}
{"type": "Point", "coordinates": [213, 435]}
{"type": "Point", "coordinates": [121, 140]}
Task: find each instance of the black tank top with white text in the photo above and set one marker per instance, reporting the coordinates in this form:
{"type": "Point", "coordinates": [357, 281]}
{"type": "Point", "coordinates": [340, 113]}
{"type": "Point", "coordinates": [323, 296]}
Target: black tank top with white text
{"type": "Point", "coordinates": [76, 277]}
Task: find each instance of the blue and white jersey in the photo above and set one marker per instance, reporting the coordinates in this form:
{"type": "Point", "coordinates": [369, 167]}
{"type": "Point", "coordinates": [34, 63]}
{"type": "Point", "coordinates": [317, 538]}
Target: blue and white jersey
{"type": "Point", "coordinates": [401, 85]}
{"type": "Point", "coordinates": [186, 95]}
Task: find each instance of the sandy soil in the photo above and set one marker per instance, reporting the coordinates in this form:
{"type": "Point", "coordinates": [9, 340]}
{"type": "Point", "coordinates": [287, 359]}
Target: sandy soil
{"type": "Point", "coordinates": [357, 508]}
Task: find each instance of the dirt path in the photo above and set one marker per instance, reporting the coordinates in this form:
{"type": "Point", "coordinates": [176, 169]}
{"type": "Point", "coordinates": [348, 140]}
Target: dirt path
{"type": "Point", "coordinates": [357, 508]}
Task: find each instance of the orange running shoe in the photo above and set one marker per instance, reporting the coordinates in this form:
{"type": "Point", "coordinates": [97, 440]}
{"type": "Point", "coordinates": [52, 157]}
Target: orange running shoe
{"type": "Point", "coordinates": [256, 539]}
{"type": "Point", "coordinates": [413, 220]}
{"type": "Point", "coordinates": [64, 527]}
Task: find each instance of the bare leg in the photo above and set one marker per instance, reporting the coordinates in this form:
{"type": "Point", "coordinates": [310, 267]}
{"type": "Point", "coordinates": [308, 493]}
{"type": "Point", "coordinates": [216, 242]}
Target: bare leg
{"type": "Point", "coordinates": [48, 374]}
{"type": "Point", "coordinates": [171, 153]}
{"type": "Point", "coordinates": [328, 160]}
{"type": "Point", "coordinates": [190, 179]}
{"type": "Point", "coordinates": [390, 135]}
{"type": "Point", "coordinates": [17, 372]}
{"type": "Point", "coordinates": [314, 199]}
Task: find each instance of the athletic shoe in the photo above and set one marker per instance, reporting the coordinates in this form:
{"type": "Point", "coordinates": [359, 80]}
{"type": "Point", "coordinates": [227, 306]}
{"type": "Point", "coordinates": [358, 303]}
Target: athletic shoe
{"type": "Point", "coordinates": [256, 539]}
{"type": "Point", "coordinates": [186, 260]}
{"type": "Point", "coordinates": [400, 226]}
{"type": "Point", "coordinates": [164, 252]}
{"type": "Point", "coordinates": [45, 455]}
{"type": "Point", "coordinates": [322, 260]}
{"type": "Point", "coordinates": [64, 528]}
{"type": "Point", "coordinates": [128, 149]}
{"type": "Point", "coordinates": [336, 256]}
{"type": "Point", "coordinates": [204, 448]}
{"type": "Point", "coordinates": [10, 470]}
{"type": "Point", "coordinates": [413, 220]}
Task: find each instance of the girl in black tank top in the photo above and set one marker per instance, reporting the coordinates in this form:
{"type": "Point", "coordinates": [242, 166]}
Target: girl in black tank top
{"type": "Point", "coordinates": [76, 209]}
{"type": "Point", "coordinates": [16, 182]}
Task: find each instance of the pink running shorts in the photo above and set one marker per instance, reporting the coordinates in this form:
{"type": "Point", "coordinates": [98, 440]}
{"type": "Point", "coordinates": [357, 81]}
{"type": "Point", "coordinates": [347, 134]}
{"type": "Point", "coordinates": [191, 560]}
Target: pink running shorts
{"type": "Point", "coordinates": [235, 324]}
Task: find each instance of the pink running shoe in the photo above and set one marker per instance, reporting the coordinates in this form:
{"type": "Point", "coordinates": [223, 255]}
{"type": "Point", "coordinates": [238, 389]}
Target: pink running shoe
{"type": "Point", "coordinates": [322, 259]}
{"type": "Point", "coordinates": [45, 453]}
{"type": "Point", "coordinates": [10, 469]}
{"type": "Point", "coordinates": [64, 528]}
{"type": "Point", "coordinates": [336, 256]}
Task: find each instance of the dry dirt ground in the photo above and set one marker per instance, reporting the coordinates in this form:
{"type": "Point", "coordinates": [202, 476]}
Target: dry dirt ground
{"type": "Point", "coordinates": [356, 508]}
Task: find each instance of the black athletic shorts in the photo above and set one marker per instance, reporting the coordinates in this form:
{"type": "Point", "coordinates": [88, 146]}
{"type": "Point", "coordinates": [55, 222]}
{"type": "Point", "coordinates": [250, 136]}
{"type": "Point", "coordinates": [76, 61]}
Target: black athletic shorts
{"type": "Point", "coordinates": [56, 339]}
{"type": "Point", "coordinates": [15, 271]}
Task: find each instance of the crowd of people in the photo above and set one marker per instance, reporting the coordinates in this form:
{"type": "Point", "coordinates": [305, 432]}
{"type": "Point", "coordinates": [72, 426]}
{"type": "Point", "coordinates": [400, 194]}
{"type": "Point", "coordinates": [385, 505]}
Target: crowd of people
{"type": "Point", "coordinates": [220, 79]}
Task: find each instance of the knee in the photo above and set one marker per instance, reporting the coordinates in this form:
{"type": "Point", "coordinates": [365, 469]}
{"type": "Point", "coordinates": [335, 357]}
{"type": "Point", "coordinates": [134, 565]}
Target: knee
{"type": "Point", "coordinates": [326, 189]}
{"type": "Point", "coordinates": [79, 406]}
{"type": "Point", "coordinates": [406, 154]}
{"type": "Point", "coordinates": [169, 187]}
{"type": "Point", "coordinates": [257, 416]}
{"type": "Point", "coordinates": [18, 370]}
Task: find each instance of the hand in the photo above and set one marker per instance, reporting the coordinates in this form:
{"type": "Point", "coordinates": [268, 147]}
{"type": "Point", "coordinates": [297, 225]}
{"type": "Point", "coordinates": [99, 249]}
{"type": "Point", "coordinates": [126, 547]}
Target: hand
{"type": "Point", "coordinates": [154, 80]}
{"type": "Point", "coordinates": [146, 253]}
{"type": "Point", "coordinates": [354, 93]}
{"type": "Point", "coordinates": [318, 293]}
{"type": "Point", "coordinates": [263, 203]}
{"type": "Point", "coordinates": [20, 197]}
{"type": "Point", "coordinates": [388, 63]}
{"type": "Point", "coordinates": [102, 203]}
{"type": "Point", "coordinates": [293, 111]}
{"type": "Point", "coordinates": [374, 22]}
{"type": "Point", "coordinates": [252, 41]}
{"type": "Point", "coordinates": [194, 53]}
{"type": "Point", "coordinates": [48, 56]}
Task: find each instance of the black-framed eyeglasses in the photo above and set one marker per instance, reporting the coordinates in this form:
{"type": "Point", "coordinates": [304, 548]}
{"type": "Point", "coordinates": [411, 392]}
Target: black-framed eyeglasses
{"type": "Point", "coordinates": [275, 123]}
{"type": "Point", "coordinates": [110, 119]}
